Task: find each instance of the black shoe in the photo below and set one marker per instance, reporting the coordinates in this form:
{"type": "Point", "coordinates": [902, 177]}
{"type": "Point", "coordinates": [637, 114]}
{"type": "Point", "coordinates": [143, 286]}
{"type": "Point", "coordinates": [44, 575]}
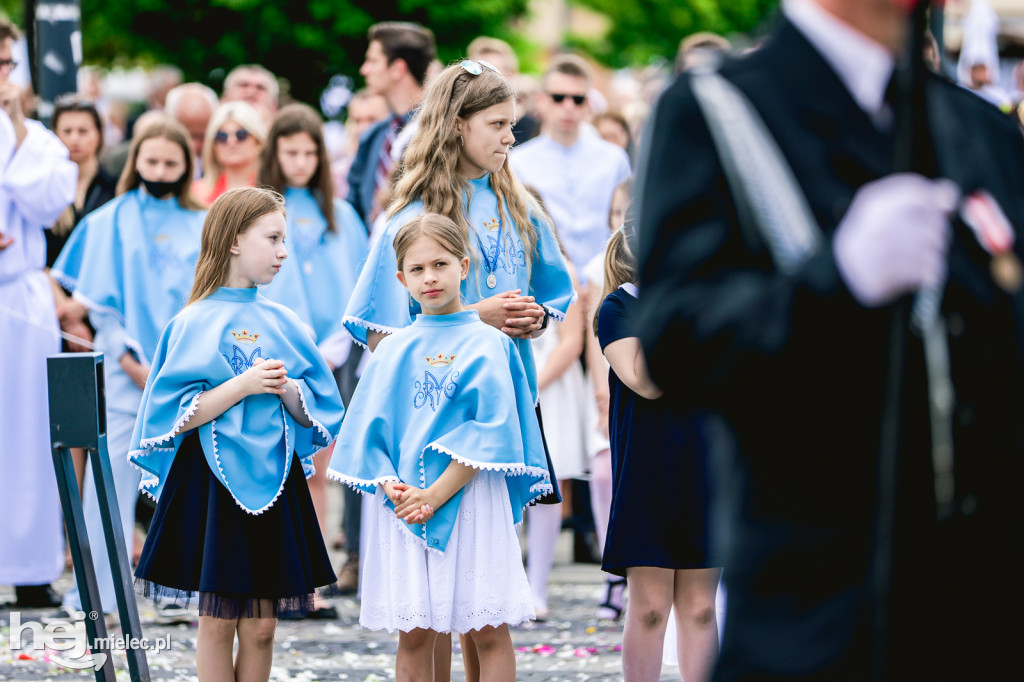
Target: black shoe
{"type": "Point", "coordinates": [35, 597]}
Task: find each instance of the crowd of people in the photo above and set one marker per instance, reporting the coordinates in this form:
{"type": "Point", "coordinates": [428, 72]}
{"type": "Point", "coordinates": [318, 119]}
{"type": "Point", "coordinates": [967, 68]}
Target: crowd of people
{"type": "Point", "coordinates": [462, 301]}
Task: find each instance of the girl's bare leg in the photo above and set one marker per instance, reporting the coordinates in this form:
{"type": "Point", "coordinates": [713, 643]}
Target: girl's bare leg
{"type": "Point", "coordinates": [443, 657]}
{"type": "Point", "coordinates": [318, 486]}
{"type": "Point", "coordinates": [415, 660]}
{"type": "Point", "coordinates": [643, 636]}
{"type": "Point", "coordinates": [255, 646]}
{"type": "Point", "coordinates": [214, 643]}
{"type": "Point", "coordinates": [697, 622]}
{"type": "Point", "coordinates": [470, 659]}
{"type": "Point", "coordinates": [494, 649]}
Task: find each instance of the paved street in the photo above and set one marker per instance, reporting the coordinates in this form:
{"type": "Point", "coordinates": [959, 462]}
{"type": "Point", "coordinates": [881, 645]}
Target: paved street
{"type": "Point", "coordinates": [572, 645]}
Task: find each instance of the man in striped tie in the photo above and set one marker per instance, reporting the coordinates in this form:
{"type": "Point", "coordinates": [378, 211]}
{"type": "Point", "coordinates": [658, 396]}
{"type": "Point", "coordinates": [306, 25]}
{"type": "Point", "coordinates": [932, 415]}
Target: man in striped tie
{"type": "Point", "coordinates": [395, 67]}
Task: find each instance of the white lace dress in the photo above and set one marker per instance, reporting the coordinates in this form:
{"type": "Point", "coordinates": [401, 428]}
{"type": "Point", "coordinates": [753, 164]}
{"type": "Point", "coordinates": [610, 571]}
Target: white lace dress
{"type": "Point", "coordinates": [478, 581]}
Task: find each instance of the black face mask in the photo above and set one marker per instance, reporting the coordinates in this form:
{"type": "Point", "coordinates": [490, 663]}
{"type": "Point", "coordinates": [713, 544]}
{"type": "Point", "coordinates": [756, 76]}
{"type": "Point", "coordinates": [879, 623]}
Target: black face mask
{"type": "Point", "coordinates": [159, 189]}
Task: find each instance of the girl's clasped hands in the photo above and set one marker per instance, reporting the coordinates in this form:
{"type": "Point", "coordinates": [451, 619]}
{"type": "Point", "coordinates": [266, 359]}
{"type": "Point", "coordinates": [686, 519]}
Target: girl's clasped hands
{"type": "Point", "coordinates": [411, 504]}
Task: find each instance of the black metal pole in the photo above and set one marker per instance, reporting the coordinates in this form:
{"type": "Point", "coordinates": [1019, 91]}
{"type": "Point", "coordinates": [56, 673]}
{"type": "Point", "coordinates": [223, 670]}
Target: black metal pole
{"type": "Point", "coordinates": [913, 153]}
{"type": "Point", "coordinates": [58, 51]}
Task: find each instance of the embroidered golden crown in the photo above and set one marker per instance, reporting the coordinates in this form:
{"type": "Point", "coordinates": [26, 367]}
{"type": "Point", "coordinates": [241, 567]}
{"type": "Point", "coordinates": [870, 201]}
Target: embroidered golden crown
{"type": "Point", "coordinates": [245, 336]}
{"type": "Point", "coordinates": [492, 224]}
{"type": "Point", "coordinates": [440, 360]}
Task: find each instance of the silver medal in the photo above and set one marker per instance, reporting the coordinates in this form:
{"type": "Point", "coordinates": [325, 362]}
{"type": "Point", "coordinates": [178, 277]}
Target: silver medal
{"type": "Point", "coordinates": [492, 281]}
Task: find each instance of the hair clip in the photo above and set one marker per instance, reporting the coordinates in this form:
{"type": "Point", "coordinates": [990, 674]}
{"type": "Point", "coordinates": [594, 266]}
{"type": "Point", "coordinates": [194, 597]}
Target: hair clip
{"type": "Point", "coordinates": [475, 67]}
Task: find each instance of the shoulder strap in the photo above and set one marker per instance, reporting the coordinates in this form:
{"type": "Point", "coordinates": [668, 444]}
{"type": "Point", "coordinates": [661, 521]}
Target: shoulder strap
{"type": "Point", "coordinates": [768, 199]}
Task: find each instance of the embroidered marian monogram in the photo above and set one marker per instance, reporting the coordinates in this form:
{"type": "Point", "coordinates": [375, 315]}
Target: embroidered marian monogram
{"type": "Point", "coordinates": [240, 361]}
{"type": "Point", "coordinates": [431, 389]}
{"type": "Point", "coordinates": [162, 256]}
{"type": "Point", "coordinates": [503, 250]}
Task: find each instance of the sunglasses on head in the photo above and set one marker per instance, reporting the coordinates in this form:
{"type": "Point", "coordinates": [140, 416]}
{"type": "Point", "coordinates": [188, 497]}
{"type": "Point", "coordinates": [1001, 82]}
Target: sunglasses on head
{"type": "Point", "coordinates": [222, 137]}
{"type": "Point", "coordinates": [476, 67]}
{"type": "Point", "coordinates": [559, 97]}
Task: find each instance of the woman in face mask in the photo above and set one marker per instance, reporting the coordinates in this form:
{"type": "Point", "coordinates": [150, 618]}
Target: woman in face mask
{"type": "Point", "coordinates": [131, 263]}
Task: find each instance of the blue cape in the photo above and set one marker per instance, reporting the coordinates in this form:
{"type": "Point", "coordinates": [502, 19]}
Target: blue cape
{"type": "Point", "coordinates": [134, 259]}
{"type": "Point", "coordinates": [382, 304]}
{"type": "Point", "coordinates": [317, 278]}
{"type": "Point", "coordinates": [249, 447]}
{"type": "Point", "coordinates": [447, 387]}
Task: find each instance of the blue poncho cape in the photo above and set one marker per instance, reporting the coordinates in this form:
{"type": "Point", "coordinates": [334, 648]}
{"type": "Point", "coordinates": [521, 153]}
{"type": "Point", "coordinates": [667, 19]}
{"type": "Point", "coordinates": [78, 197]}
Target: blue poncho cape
{"type": "Point", "coordinates": [380, 302]}
{"type": "Point", "coordinates": [446, 388]}
{"type": "Point", "coordinates": [249, 447]}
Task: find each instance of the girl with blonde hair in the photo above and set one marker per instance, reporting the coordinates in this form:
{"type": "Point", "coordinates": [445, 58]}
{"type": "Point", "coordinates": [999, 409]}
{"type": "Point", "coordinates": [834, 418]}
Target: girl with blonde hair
{"type": "Point", "coordinates": [238, 402]}
{"type": "Point", "coordinates": [443, 435]}
{"type": "Point", "coordinates": [455, 166]}
{"type": "Point", "coordinates": [231, 150]}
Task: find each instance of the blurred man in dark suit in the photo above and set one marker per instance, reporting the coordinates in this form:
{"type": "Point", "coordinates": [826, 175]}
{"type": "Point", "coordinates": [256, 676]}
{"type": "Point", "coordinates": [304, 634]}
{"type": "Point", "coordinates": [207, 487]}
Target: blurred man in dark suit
{"type": "Point", "coordinates": [838, 567]}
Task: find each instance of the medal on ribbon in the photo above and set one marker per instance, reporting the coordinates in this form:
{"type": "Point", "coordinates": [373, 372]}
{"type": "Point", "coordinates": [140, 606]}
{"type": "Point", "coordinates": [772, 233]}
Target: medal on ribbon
{"type": "Point", "coordinates": [994, 232]}
{"type": "Point", "coordinates": [492, 280]}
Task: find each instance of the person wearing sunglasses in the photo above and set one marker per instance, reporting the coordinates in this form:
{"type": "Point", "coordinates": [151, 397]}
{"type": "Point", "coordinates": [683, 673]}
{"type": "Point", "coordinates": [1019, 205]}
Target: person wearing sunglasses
{"type": "Point", "coordinates": [37, 182]}
{"type": "Point", "coordinates": [575, 171]}
{"type": "Point", "coordinates": [231, 150]}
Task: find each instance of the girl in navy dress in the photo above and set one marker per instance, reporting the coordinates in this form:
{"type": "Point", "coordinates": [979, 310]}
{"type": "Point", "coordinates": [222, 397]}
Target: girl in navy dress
{"type": "Point", "coordinates": [657, 531]}
{"type": "Point", "coordinates": [237, 403]}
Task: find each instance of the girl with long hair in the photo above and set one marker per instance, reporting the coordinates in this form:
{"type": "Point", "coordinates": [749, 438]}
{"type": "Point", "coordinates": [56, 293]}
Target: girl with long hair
{"type": "Point", "coordinates": [238, 402]}
{"type": "Point", "coordinates": [131, 263]}
{"type": "Point", "coordinates": [666, 564]}
{"type": "Point", "coordinates": [455, 166]}
{"type": "Point", "coordinates": [328, 243]}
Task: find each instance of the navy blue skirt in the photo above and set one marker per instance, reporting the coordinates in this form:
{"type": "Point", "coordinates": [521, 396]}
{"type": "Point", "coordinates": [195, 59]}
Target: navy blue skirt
{"type": "Point", "coordinates": [203, 547]}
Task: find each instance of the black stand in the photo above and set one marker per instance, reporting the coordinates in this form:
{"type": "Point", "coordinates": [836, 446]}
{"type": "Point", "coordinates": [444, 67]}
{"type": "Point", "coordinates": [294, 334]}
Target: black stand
{"type": "Point", "coordinates": [78, 420]}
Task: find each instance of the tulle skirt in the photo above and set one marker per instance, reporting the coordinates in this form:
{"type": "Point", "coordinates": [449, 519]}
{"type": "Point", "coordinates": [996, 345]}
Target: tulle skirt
{"type": "Point", "coordinates": [203, 548]}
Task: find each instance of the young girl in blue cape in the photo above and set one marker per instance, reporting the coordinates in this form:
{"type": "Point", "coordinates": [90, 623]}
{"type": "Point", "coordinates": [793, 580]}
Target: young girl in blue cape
{"type": "Point", "coordinates": [455, 165]}
{"type": "Point", "coordinates": [443, 433]}
{"type": "Point", "coordinates": [237, 403]}
{"type": "Point", "coordinates": [327, 245]}
{"type": "Point", "coordinates": [131, 263]}
{"type": "Point", "coordinates": [656, 540]}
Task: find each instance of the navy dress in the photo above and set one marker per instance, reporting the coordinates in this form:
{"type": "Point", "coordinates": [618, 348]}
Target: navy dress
{"type": "Point", "coordinates": [203, 546]}
{"type": "Point", "coordinates": [660, 493]}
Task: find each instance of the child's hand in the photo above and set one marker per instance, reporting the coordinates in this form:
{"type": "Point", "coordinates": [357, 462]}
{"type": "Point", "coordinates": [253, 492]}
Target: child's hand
{"type": "Point", "coordinates": [424, 514]}
{"type": "Point", "coordinates": [265, 376]}
{"type": "Point", "coordinates": [414, 503]}
{"type": "Point", "coordinates": [393, 489]}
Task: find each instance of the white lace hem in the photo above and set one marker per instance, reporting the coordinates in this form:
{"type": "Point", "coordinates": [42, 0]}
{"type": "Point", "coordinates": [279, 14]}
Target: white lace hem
{"type": "Point", "coordinates": [224, 479]}
{"type": "Point", "coordinates": [321, 429]}
{"type": "Point", "coordinates": [147, 444]}
{"type": "Point", "coordinates": [369, 326]}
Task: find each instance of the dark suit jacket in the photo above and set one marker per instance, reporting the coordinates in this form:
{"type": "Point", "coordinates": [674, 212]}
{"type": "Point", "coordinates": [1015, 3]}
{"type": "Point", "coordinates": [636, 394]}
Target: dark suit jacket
{"type": "Point", "coordinates": [797, 369]}
{"type": "Point", "coordinates": [362, 174]}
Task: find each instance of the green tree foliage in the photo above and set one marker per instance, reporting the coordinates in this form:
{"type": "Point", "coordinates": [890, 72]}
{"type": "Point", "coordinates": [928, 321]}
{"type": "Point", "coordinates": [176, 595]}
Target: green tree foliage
{"type": "Point", "coordinates": [644, 29]}
{"type": "Point", "coordinates": [305, 42]}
